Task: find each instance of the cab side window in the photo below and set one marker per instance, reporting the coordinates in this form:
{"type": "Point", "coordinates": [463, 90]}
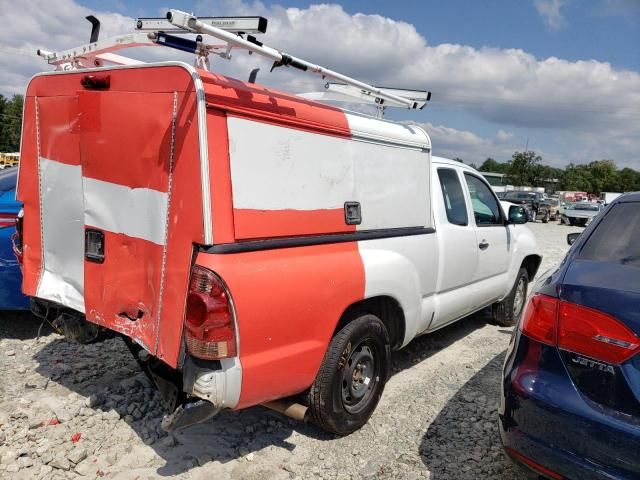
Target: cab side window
{"type": "Point", "coordinates": [486, 209]}
{"type": "Point", "coordinates": [453, 195]}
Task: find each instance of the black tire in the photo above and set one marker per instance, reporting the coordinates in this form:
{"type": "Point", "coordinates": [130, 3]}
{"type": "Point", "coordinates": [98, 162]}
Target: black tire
{"type": "Point", "coordinates": [546, 218]}
{"type": "Point", "coordinates": [507, 312]}
{"type": "Point", "coordinates": [572, 222]}
{"type": "Point", "coordinates": [336, 405]}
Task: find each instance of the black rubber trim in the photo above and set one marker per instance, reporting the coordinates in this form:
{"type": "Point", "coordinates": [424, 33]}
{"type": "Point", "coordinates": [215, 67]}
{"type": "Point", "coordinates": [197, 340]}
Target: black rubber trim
{"type": "Point", "coordinates": [291, 242]}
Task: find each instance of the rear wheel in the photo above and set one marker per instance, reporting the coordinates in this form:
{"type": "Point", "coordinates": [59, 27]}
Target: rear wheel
{"type": "Point", "coordinates": [507, 312]}
{"type": "Point", "coordinates": [352, 376]}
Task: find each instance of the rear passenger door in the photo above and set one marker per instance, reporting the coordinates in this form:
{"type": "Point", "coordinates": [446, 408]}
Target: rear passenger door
{"type": "Point", "coordinates": [458, 247]}
{"type": "Point", "coordinates": [493, 242]}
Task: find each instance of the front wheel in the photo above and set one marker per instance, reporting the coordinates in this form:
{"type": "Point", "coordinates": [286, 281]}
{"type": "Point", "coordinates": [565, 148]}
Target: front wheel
{"type": "Point", "coordinates": [507, 312]}
{"type": "Point", "coordinates": [546, 218]}
{"type": "Point", "coordinates": [352, 376]}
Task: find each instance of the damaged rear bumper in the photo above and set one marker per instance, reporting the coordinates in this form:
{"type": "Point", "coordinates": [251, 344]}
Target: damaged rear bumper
{"type": "Point", "coordinates": [196, 393]}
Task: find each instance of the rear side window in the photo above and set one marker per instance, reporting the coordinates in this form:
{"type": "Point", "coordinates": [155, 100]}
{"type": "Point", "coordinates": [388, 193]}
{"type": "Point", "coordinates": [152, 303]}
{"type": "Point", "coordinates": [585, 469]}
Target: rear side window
{"type": "Point", "coordinates": [616, 238]}
{"type": "Point", "coordinates": [485, 206]}
{"type": "Point", "coordinates": [453, 196]}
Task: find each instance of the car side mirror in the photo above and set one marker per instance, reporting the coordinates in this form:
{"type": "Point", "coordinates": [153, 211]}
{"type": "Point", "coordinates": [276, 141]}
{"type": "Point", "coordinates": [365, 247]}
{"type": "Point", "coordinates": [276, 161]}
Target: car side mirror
{"type": "Point", "coordinates": [517, 214]}
{"type": "Point", "coordinates": [572, 237]}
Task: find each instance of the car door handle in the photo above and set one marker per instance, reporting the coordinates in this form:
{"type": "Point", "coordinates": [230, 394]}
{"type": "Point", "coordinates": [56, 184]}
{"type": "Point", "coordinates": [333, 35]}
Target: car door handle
{"type": "Point", "coordinates": [483, 245]}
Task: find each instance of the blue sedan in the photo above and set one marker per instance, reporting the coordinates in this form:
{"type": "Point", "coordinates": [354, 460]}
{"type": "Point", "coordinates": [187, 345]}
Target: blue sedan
{"type": "Point", "coordinates": [11, 297]}
{"type": "Point", "coordinates": [570, 405]}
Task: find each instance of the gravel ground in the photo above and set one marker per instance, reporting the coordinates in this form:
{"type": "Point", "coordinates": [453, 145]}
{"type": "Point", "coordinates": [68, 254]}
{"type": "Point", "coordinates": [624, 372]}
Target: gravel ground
{"type": "Point", "coordinates": [72, 411]}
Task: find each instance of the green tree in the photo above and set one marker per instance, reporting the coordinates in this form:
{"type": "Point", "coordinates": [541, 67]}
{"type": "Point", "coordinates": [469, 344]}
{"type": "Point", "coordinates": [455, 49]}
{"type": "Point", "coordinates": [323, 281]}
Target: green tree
{"type": "Point", "coordinates": [627, 180]}
{"type": "Point", "coordinates": [603, 176]}
{"type": "Point", "coordinates": [524, 168]}
{"type": "Point", "coordinates": [10, 123]}
{"type": "Point", "coordinates": [492, 165]}
{"type": "Point", "coordinates": [576, 178]}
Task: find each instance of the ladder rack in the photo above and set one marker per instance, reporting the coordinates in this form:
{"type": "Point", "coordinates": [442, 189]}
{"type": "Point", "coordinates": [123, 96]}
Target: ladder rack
{"type": "Point", "coordinates": [229, 30]}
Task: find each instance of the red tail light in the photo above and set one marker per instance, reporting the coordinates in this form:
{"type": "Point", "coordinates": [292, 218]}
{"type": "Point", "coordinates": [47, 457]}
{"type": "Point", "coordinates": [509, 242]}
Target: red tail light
{"type": "Point", "coordinates": [7, 220]}
{"type": "Point", "coordinates": [540, 319]}
{"type": "Point", "coordinates": [210, 322]}
{"type": "Point", "coordinates": [595, 334]}
{"type": "Point", "coordinates": [579, 329]}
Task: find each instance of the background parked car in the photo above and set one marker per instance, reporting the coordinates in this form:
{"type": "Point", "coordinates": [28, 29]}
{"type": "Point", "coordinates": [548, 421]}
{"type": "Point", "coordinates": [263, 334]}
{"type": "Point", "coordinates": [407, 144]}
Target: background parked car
{"type": "Point", "coordinates": [532, 201]}
{"type": "Point", "coordinates": [11, 297]}
{"type": "Point", "coordinates": [553, 205]}
{"type": "Point", "coordinates": [571, 382]}
{"type": "Point", "coordinates": [581, 213]}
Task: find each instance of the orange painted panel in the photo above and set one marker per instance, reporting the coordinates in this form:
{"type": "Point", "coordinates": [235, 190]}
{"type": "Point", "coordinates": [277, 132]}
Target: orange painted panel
{"type": "Point", "coordinates": [28, 193]}
{"type": "Point", "coordinates": [59, 140]}
{"type": "Point", "coordinates": [152, 79]}
{"type": "Point", "coordinates": [126, 137]}
{"type": "Point", "coordinates": [288, 302]}
{"type": "Point", "coordinates": [251, 223]}
{"type": "Point", "coordinates": [185, 229]}
{"type": "Point", "coordinates": [220, 172]}
{"type": "Point", "coordinates": [126, 283]}
{"type": "Point", "coordinates": [270, 105]}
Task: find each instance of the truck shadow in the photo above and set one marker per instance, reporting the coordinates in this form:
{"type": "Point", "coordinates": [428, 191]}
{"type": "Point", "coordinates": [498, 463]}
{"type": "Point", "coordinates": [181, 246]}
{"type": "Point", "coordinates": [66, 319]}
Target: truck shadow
{"type": "Point", "coordinates": [109, 372]}
{"type": "Point", "coordinates": [463, 441]}
{"type": "Point", "coordinates": [21, 325]}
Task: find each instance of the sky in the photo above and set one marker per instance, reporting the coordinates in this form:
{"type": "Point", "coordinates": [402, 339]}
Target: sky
{"type": "Point", "coordinates": [560, 77]}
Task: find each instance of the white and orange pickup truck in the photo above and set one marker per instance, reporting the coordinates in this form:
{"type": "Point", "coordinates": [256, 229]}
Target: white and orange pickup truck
{"type": "Point", "coordinates": [251, 245]}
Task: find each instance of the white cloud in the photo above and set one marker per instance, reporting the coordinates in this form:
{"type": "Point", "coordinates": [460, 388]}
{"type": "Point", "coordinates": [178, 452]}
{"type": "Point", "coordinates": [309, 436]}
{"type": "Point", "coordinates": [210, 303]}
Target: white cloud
{"type": "Point", "coordinates": [549, 10]}
{"type": "Point", "coordinates": [503, 136]}
{"type": "Point", "coordinates": [451, 143]}
{"type": "Point", "coordinates": [578, 110]}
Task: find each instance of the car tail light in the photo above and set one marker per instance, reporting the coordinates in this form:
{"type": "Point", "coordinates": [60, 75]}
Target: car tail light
{"type": "Point", "coordinates": [595, 334]}
{"type": "Point", "coordinates": [210, 320]}
{"type": "Point", "coordinates": [7, 220]}
{"type": "Point", "coordinates": [578, 329]}
{"type": "Point", "coordinates": [540, 319]}
{"type": "Point", "coordinates": [16, 238]}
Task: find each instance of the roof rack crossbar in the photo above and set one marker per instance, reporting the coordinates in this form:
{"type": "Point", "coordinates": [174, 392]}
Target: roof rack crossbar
{"type": "Point", "coordinates": [191, 23]}
{"type": "Point", "coordinates": [156, 32]}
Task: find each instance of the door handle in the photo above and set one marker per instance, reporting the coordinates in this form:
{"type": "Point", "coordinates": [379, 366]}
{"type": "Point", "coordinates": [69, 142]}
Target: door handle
{"type": "Point", "coordinates": [483, 245]}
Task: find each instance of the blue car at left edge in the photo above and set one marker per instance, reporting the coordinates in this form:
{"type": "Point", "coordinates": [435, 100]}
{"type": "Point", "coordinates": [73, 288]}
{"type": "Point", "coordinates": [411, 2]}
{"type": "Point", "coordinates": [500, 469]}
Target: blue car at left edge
{"type": "Point", "coordinates": [11, 297]}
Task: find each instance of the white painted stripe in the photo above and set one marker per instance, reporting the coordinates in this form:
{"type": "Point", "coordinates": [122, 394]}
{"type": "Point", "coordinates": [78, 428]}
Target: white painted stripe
{"type": "Point", "coordinates": [276, 168]}
{"type": "Point", "coordinates": [279, 168]}
{"type": "Point", "coordinates": [373, 129]}
{"type": "Point", "coordinates": [135, 212]}
{"type": "Point", "coordinates": [62, 278]}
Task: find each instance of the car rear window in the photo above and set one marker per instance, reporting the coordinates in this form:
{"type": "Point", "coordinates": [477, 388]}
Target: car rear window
{"type": "Point", "coordinates": [615, 239]}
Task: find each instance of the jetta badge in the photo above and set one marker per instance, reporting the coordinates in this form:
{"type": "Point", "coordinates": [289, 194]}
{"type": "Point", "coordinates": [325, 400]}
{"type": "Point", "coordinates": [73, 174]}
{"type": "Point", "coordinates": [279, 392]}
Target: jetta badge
{"type": "Point", "coordinates": [587, 362]}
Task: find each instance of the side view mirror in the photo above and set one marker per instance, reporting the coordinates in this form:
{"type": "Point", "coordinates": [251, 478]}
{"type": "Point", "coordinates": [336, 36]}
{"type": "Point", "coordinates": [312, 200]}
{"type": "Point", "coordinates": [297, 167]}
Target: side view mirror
{"type": "Point", "coordinates": [517, 214]}
{"type": "Point", "coordinates": [572, 237]}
